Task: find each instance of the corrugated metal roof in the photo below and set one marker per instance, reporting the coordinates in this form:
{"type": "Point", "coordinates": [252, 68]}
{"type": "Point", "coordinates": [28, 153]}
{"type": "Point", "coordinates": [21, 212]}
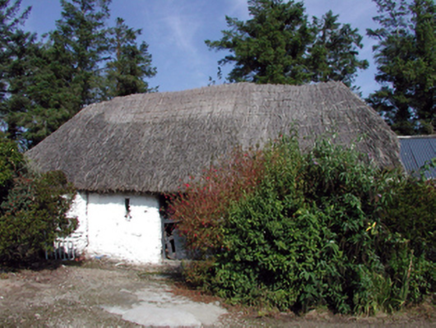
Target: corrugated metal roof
{"type": "Point", "coordinates": [416, 151]}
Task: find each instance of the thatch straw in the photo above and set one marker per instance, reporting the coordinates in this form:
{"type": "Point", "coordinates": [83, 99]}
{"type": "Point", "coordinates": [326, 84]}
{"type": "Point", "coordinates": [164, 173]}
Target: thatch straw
{"type": "Point", "coordinates": [152, 142]}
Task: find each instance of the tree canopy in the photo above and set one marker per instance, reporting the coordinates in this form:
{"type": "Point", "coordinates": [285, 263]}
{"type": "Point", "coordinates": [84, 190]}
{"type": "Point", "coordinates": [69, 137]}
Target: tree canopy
{"type": "Point", "coordinates": [88, 58]}
{"type": "Point", "coordinates": [130, 64]}
{"type": "Point", "coordinates": [279, 45]}
{"type": "Point", "coordinates": [406, 65]}
{"type": "Point", "coordinates": [82, 61]}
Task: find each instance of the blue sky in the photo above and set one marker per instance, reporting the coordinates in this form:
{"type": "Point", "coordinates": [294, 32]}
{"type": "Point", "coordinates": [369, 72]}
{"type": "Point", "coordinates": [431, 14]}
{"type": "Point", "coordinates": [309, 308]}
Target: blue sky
{"type": "Point", "coordinates": [176, 29]}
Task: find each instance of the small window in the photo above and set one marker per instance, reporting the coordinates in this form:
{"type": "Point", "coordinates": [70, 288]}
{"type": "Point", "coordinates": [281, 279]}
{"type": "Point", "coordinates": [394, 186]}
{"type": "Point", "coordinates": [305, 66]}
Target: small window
{"type": "Point", "coordinates": [127, 205]}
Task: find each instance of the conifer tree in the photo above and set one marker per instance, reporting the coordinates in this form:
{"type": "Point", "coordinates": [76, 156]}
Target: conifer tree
{"type": "Point", "coordinates": [82, 61]}
{"type": "Point", "coordinates": [80, 38]}
{"type": "Point", "coordinates": [65, 74]}
{"type": "Point", "coordinates": [406, 64]}
{"type": "Point", "coordinates": [334, 54]}
{"type": "Point", "coordinates": [269, 47]}
{"type": "Point", "coordinates": [52, 96]}
{"type": "Point", "coordinates": [17, 49]}
{"type": "Point", "coordinates": [278, 45]}
{"type": "Point", "coordinates": [130, 63]}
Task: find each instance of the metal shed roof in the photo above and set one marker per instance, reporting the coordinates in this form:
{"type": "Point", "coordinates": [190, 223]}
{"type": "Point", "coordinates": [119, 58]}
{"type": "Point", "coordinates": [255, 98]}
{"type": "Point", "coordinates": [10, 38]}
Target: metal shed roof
{"type": "Point", "coordinates": [416, 151]}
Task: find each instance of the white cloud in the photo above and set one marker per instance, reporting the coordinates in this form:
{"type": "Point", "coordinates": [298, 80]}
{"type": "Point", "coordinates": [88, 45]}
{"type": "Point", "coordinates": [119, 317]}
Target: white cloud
{"type": "Point", "coordinates": [237, 8]}
{"type": "Point", "coordinates": [182, 32]}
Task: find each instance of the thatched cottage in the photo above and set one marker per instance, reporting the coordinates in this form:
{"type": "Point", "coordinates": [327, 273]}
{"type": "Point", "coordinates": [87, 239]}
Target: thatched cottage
{"type": "Point", "coordinates": [124, 153]}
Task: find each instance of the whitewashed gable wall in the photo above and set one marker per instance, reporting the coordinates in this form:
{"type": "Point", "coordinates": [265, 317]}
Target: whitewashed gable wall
{"type": "Point", "coordinates": [79, 211]}
{"type": "Point", "coordinates": [106, 229]}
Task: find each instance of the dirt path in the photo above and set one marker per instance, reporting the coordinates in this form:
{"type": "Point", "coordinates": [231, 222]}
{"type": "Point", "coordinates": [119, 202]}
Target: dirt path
{"type": "Point", "coordinates": [99, 294]}
{"type": "Point", "coordinates": [67, 296]}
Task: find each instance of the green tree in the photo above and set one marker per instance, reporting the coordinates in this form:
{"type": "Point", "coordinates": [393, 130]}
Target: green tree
{"type": "Point", "coordinates": [406, 64]}
{"type": "Point", "coordinates": [82, 61]}
{"type": "Point", "coordinates": [278, 45]}
{"type": "Point", "coordinates": [34, 215]}
{"type": "Point", "coordinates": [334, 55]}
{"type": "Point", "coordinates": [80, 41]}
{"type": "Point", "coordinates": [269, 48]}
{"type": "Point", "coordinates": [62, 75]}
{"type": "Point", "coordinates": [52, 97]}
{"type": "Point", "coordinates": [16, 50]}
{"type": "Point", "coordinates": [10, 162]}
{"type": "Point", "coordinates": [130, 63]}
{"type": "Point", "coordinates": [10, 19]}
{"type": "Point", "coordinates": [33, 207]}
{"type": "Point", "coordinates": [41, 89]}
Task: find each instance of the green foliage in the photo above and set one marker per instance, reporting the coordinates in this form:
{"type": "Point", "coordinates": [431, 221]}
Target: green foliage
{"type": "Point", "coordinates": [83, 61]}
{"type": "Point", "coordinates": [325, 228]}
{"type": "Point", "coordinates": [34, 215]}
{"type": "Point", "coordinates": [278, 45]}
{"type": "Point", "coordinates": [412, 215]}
{"type": "Point", "coordinates": [44, 100]}
{"type": "Point", "coordinates": [268, 48]}
{"type": "Point", "coordinates": [406, 63]}
{"type": "Point", "coordinates": [206, 201]}
{"type": "Point", "coordinates": [33, 207]}
{"type": "Point", "coordinates": [16, 53]}
{"type": "Point", "coordinates": [81, 35]}
{"type": "Point", "coordinates": [130, 65]}
{"type": "Point", "coordinates": [10, 162]}
{"type": "Point", "coordinates": [10, 19]}
{"type": "Point", "coordinates": [37, 86]}
{"type": "Point", "coordinates": [334, 53]}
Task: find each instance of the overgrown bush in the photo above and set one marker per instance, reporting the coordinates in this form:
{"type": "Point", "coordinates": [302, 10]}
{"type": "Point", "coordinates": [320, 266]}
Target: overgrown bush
{"type": "Point", "coordinates": [10, 162]}
{"type": "Point", "coordinates": [32, 210]}
{"type": "Point", "coordinates": [289, 230]}
{"type": "Point", "coordinates": [412, 214]}
{"type": "Point", "coordinates": [204, 202]}
{"type": "Point", "coordinates": [410, 222]}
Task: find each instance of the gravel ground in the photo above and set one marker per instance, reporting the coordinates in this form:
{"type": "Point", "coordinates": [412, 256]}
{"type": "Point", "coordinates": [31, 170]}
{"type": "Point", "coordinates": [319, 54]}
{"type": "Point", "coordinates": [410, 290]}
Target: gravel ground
{"type": "Point", "coordinates": [103, 294]}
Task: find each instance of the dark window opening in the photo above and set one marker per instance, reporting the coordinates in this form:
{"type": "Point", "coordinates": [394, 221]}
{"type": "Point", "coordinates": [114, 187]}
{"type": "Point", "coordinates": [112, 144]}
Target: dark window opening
{"type": "Point", "coordinates": [170, 246]}
{"type": "Point", "coordinates": [173, 244]}
{"type": "Point", "coordinates": [127, 205]}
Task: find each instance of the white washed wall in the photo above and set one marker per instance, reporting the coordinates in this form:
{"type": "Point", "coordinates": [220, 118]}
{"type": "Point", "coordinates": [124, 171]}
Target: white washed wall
{"type": "Point", "coordinates": [79, 211]}
{"type": "Point", "coordinates": [137, 238]}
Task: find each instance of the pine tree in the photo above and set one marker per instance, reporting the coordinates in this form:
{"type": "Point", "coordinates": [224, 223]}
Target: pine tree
{"type": "Point", "coordinates": [269, 48]}
{"type": "Point", "coordinates": [278, 45]}
{"type": "Point", "coordinates": [43, 84]}
{"type": "Point", "coordinates": [80, 42]}
{"type": "Point", "coordinates": [333, 55]}
{"type": "Point", "coordinates": [17, 49]}
{"type": "Point", "coordinates": [66, 70]}
{"type": "Point", "coordinates": [10, 19]}
{"type": "Point", "coordinates": [52, 95]}
{"type": "Point", "coordinates": [406, 64]}
{"type": "Point", "coordinates": [130, 64]}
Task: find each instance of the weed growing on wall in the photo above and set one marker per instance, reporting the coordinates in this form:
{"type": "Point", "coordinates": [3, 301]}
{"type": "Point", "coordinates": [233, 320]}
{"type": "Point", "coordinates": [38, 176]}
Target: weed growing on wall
{"type": "Point", "coordinates": [288, 230]}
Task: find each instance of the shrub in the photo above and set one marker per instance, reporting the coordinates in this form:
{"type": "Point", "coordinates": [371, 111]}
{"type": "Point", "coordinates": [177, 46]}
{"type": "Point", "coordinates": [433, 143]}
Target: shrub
{"type": "Point", "coordinates": [202, 206]}
{"type": "Point", "coordinates": [305, 230]}
{"type": "Point", "coordinates": [410, 252]}
{"type": "Point", "coordinates": [33, 208]}
{"type": "Point", "coordinates": [34, 215]}
{"type": "Point", "coordinates": [413, 214]}
{"type": "Point", "coordinates": [10, 162]}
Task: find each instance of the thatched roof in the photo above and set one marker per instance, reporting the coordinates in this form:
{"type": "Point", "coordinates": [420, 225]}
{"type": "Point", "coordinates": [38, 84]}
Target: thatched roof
{"type": "Point", "coordinates": [152, 142]}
